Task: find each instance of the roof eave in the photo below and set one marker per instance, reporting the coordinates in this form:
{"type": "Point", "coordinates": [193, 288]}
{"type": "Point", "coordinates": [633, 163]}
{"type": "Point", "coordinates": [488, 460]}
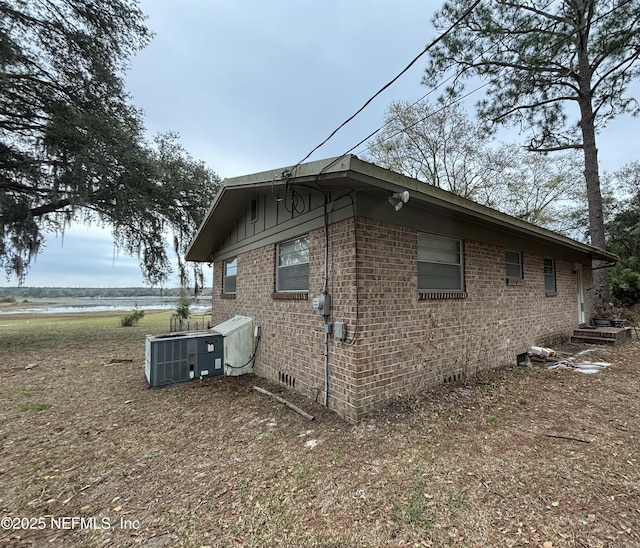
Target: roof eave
{"type": "Point", "coordinates": [368, 176]}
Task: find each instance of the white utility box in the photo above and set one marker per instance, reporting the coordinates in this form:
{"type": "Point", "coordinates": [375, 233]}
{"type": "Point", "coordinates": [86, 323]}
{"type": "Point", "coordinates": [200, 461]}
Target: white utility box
{"type": "Point", "coordinates": [238, 345]}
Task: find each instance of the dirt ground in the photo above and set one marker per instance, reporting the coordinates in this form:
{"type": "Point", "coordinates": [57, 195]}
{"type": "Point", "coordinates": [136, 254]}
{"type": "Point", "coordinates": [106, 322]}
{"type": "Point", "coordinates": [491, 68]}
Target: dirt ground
{"type": "Point", "coordinates": [89, 456]}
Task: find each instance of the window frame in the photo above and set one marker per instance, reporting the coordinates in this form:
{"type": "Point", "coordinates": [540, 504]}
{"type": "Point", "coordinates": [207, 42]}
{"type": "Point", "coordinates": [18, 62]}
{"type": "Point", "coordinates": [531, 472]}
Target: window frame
{"type": "Point", "coordinates": [520, 264]}
{"type": "Point", "coordinates": [226, 265]}
{"type": "Point", "coordinates": [460, 289]}
{"type": "Point", "coordinates": [280, 268]}
{"type": "Point", "coordinates": [552, 262]}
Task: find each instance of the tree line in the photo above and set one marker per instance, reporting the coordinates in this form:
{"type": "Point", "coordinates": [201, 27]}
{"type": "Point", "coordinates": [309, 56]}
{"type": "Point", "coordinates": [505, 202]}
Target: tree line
{"type": "Point", "coordinates": [22, 293]}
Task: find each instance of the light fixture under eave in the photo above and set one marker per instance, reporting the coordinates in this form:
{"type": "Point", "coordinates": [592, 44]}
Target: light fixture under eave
{"type": "Point", "coordinates": [398, 199]}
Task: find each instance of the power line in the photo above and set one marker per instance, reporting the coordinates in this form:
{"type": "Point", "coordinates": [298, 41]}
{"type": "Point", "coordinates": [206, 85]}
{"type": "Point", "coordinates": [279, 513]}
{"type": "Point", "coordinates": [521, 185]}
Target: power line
{"type": "Point", "coordinates": [391, 82]}
{"type": "Point", "coordinates": [456, 76]}
{"type": "Point", "coordinates": [432, 90]}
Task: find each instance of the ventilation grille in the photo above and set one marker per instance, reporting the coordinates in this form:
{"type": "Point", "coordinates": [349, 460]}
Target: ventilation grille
{"type": "Point", "coordinates": [287, 379]}
{"type": "Point", "coordinates": [454, 377]}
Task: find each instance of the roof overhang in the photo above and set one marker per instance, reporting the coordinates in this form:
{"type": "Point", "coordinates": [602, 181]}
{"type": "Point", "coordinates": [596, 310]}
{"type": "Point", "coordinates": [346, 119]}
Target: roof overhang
{"type": "Point", "coordinates": [351, 173]}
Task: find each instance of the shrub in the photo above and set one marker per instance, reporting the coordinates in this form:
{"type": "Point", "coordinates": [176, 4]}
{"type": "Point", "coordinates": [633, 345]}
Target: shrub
{"type": "Point", "coordinates": [184, 302]}
{"type": "Point", "coordinates": [132, 319]}
{"type": "Point", "coordinates": [625, 286]}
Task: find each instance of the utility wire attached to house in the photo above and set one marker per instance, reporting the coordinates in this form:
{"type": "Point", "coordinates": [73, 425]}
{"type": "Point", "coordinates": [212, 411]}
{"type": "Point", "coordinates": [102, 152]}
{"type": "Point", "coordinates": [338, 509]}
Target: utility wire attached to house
{"type": "Point", "coordinates": [454, 76]}
{"type": "Point", "coordinates": [457, 75]}
{"type": "Point", "coordinates": [391, 82]}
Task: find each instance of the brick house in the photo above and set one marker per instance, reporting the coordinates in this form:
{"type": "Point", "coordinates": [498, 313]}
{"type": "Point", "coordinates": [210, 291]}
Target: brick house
{"type": "Point", "coordinates": [415, 294]}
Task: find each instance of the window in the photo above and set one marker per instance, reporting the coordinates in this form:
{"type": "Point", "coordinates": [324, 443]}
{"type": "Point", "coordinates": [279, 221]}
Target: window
{"type": "Point", "coordinates": [230, 274]}
{"type": "Point", "coordinates": [550, 275]}
{"type": "Point", "coordinates": [439, 264]}
{"type": "Point", "coordinates": [292, 265]}
{"type": "Point", "coordinates": [513, 260]}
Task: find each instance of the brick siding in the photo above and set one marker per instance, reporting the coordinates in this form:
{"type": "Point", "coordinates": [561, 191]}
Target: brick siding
{"type": "Point", "coordinates": [403, 343]}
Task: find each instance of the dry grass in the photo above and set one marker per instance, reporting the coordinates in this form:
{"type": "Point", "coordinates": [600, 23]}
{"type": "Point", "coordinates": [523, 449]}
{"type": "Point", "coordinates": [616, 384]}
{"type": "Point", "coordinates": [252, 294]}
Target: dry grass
{"type": "Point", "coordinates": [522, 457]}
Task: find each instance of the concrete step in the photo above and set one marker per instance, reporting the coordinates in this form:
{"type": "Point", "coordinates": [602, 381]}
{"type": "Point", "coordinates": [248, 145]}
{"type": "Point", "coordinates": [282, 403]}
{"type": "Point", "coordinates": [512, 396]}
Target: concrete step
{"type": "Point", "coordinates": [601, 335]}
{"type": "Point", "coordinates": [602, 341]}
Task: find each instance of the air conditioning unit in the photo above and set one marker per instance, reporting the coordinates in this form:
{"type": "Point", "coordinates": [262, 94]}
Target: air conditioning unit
{"type": "Point", "coordinates": [180, 357]}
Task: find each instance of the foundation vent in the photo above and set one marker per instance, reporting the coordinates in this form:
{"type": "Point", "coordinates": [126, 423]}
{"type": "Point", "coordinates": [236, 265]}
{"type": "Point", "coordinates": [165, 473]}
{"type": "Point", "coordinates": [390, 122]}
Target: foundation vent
{"type": "Point", "coordinates": [287, 379]}
{"type": "Point", "coordinates": [454, 377]}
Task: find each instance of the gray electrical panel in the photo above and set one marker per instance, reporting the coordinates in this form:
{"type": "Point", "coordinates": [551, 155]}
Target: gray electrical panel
{"type": "Point", "coordinates": [180, 357]}
{"type": "Point", "coordinates": [340, 330]}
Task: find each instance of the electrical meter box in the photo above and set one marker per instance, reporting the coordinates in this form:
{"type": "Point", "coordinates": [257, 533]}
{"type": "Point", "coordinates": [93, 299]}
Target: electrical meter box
{"type": "Point", "coordinates": [322, 304]}
{"type": "Point", "coordinates": [180, 357]}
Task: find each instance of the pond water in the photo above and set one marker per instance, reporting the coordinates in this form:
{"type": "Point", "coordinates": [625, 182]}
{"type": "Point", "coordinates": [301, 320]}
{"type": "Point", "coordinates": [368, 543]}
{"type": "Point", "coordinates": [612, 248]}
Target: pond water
{"type": "Point", "coordinates": [80, 305]}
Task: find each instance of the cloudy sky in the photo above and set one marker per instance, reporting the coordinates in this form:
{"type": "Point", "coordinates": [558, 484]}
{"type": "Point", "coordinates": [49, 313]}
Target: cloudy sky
{"type": "Point", "coordinates": [256, 85]}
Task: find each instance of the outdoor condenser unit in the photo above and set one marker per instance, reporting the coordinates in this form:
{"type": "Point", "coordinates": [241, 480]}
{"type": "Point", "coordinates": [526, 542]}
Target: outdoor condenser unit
{"type": "Point", "coordinates": [180, 357]}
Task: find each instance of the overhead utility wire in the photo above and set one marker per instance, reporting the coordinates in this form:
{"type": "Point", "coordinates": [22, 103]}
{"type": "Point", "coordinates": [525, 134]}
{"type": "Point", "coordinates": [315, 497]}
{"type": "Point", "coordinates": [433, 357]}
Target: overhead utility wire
{"type": "Point", "coordinates": [290, 172]}
{"type": "Point", "coordinates": [400, 131]}
{"type": "Point", "coordinates": [432, 90]}
{"type": "Point", "coordinates": [388, 84]}
{"type": "Point", "coordinates": [456, 76]}
{"type": "Point", "coordinates": [420, 99]}
{"type": "Point", "coordinates": [409, 126]}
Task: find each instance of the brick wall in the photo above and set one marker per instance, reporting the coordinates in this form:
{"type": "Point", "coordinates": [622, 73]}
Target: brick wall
{"type": "Point", "coordinates": [403, 344]}
{"type": "Point", "coordinates": [292, 347]}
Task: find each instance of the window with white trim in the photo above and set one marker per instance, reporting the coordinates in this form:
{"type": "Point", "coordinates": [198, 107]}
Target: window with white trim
{"type": "Point", "coordinates": [292, 265]}
{"type": "Point", "coordinates": [513, 262]}
{"type": "Point", "coordinates": [229, 275]}
{"type": "Point", "coordinates": [440, 265]}
{"type": "Point", "coordinates": [550, 275]}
